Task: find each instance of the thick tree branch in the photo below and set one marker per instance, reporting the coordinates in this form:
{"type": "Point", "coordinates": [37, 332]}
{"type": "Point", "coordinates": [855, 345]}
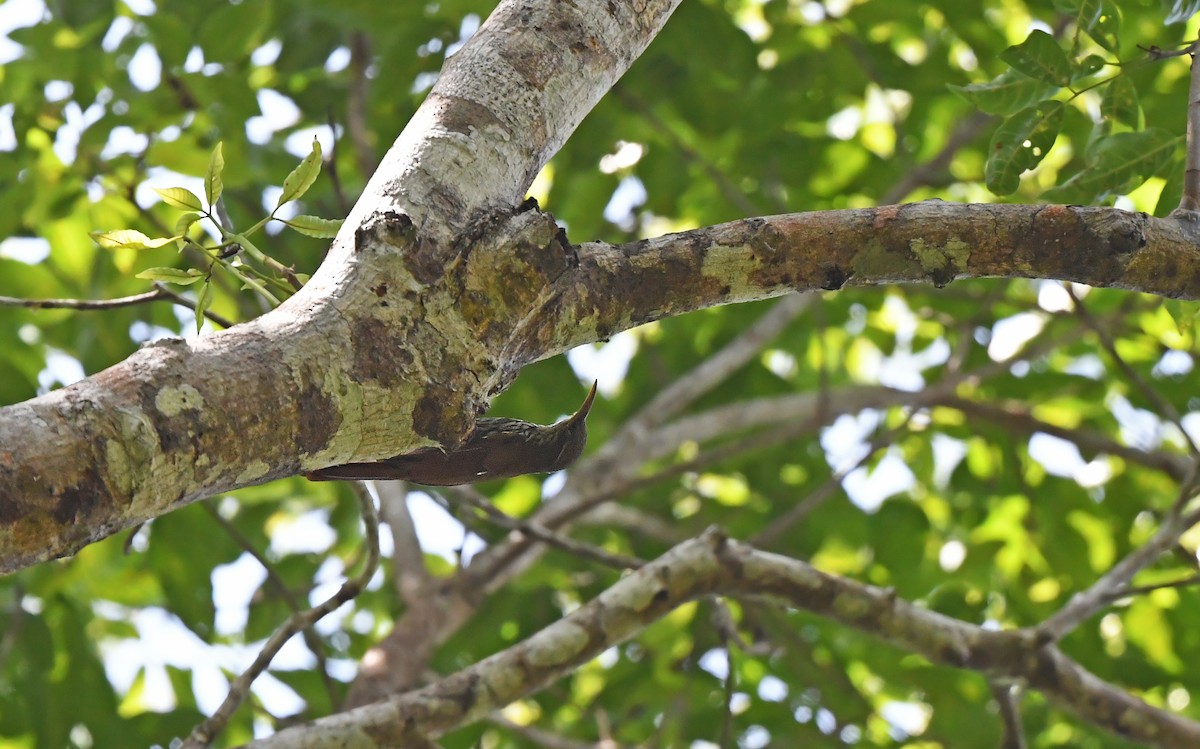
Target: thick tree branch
{"type": "Point", "coordinates": [710, 565]}
{"type": "Point", "coordinates": [396, 343]}
{"type": "Point", "coordinates": [618, 286]}
{"type": "Point", "coordinates": [404, 333]}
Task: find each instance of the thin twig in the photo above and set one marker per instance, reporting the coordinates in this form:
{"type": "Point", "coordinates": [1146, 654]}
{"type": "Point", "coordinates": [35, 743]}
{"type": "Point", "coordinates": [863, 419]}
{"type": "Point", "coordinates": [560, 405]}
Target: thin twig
{"type": "Point", "coordinates": [1141, 590]}
{"type": "Point", "coordinates": [541, 533]}
{"type": "Point", "coordinates": [968, 130]}
{"type": "Point", "coordinates": [83, 304]}
{"type": "Point", "coordinates": [828, 488]}
{"type": "Point", "coordinates": [533, 736]}
{"type": "Point", "coordinates": [183, 301]}
{"type": "Point", "coordinates": [331, 168]}
{"type": "Point", "coordinates": [721, 364]}
{"type": "Point", "coordinates": [735, 196]}
{"type": "Point", "coordinates": [1006, 696]}
{"type": "Point", "coordinates": [160, 294]}
{"type": "Point", "coordinates": [280, 588]}
{"type": "Point", "coordinates": [356, 104]}
{"type": "Point", "coordinates": [1165, 408]}
{"type": "Point", "coordinates": [730, 688]}
{"type": "Point", "coordinates": [1189, 201]}
{"type": "Point", "coordinates": [214, 724]}
{"type": "Point", "coordinates": [1017, 418]}
{"type": "Point", "coordinates": [1114, 583]}
{"type": "Point", "coordinates": [409, 574]}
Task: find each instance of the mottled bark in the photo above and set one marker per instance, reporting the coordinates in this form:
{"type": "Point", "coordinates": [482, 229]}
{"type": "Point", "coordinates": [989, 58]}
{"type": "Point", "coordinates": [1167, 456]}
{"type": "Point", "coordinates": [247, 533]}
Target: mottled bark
{"type": "Point", "coordinates": [714, 564]}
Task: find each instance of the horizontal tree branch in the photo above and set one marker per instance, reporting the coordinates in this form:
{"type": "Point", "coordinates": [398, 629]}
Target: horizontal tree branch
{"type": "Point", "coordinates": [160, 293]}
{"type": "Point", "coordinates": [619, 286]}
{"type": "Point", "coordinates": [402, 347]}
{"type": "Point", "coordinates": [714, 564]}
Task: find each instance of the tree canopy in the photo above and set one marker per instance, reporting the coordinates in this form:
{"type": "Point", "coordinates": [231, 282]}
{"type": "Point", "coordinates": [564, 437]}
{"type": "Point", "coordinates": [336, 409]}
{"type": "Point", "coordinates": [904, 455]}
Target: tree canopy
{"type": "Point", "coordinates": [945, 456]}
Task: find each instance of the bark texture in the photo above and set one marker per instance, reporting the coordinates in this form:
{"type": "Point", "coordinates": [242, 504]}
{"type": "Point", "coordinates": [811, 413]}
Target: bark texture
{"type": "Point", "coordinates": [441, 287]}
{"type": "Point", "coordinates": [714, 564]}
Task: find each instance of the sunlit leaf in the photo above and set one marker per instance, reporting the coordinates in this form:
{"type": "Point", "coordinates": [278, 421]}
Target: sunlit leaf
{"type": "Point", "coordinates": [129, 239]}
{"type": "Point", "coordinates": [303, 176]}
{"type": "Point", "coordinates": [184, 223]}
{"type": "Point", "coordinates": [314, 226]}
{"type": "Point", "coordinates": [179, 198]}
{"type": "Point", "coordinates": [203, 301]}
{"type": "Point", "coordinates": [213, 185]}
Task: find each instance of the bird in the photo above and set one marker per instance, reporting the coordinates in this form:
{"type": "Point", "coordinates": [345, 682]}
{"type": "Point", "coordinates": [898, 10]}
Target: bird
{"type": "Point", "coordinates": [497, 448]}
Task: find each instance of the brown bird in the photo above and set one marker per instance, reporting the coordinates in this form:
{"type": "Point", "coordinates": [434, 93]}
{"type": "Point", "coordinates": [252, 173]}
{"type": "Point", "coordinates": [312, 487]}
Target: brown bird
{"type": "Point", "coordinates": [499, 448]}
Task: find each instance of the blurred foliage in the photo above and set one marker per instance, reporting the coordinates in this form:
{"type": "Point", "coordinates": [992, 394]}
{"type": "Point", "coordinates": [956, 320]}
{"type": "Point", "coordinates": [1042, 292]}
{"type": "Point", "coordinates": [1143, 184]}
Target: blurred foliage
{"type": "Point", "coordinates": [740, 107]}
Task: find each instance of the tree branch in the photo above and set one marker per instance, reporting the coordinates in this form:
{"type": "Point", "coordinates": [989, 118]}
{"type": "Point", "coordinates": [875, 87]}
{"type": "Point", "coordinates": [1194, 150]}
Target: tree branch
{"type": "Point", "coordinates": [377, 355]}
{"type": "Point", "coordinates": [299, 621]}
{"type": "Point", "coordinates": [713, 564]}
{"type": "Point", "coordinates": [160, 294]}
{"type": "Point", "coordinates": [929, 242]}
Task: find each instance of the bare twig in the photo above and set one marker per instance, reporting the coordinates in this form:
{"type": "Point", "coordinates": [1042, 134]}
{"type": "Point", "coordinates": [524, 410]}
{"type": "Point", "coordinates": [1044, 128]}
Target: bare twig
{"type": "Point", "coordinates": [533, 736]}
{"type": "Point", "coordinates": [1006, 696]}
{"type": "Point", "coordinates": [828, 488]}
{"type": "Point", "coordinates": [731, 192]}
{"type": "Point", "coordinates": [616, 515]}
{"type": "Point", "coordinates": [1165, 408]}
{"type": "Point", "coordinates": [183, 301]}
{"type": "Point", "coordinates": [1016, 418]}
{"type": "Point", "coordinates": [331, 168]}
{"type": "Point", "coordinates": [728, 740]}
{"type": "Point", "coordinates": [720, 365]}
{"type": "Point", "coordinates": [409, 573]}
{"type": "Point", "coordinates": [214, 724]}
{"type": "Point", "coordinates": [83, 304]}
{"type": "Point", "coordinates": [1113, 584]}
{"type": "Point", "coordinates": [714, 564]}
{"type": "Point", "coordinates": [539, 532]}
{"type": "Point", "coordinates": [968, 130]}
{"type": "Point", "coordinates": [356, 104]}
{"type": "Point", "coordinates": [280, 588]}
{"type": "Point", "coordinates": [1189, 201]}
{"type": "Point", "coordinates": [160, 294]}
{"type": "Point", "coordinates": [1139, 590]}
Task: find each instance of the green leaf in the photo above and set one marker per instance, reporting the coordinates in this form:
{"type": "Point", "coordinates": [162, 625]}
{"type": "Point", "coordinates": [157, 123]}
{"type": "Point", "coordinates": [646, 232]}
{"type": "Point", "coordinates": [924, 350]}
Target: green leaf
{"type": "Point", "coordinates": [184, 223]}
{"type": "Point", "coordinates": [1020, 144]}
{"type": "Point", "coordinates": [303, 176]}
{"type": "Point", "coordinates": [315, 226]}
{"type": "Point", "coordinates": [172, 275]}
{"type": "Point", "coordinates": [1183, 313]}
{"type": "Point", "coordinates": [1120, 103]}
{"type": "Point", "coordinates": [1006, 94]}
{"type": "Point", "coordinates": [1102, 21]}
{"type": "Point", "coordinates": [1088, 66]}
{"type": "Point", "coordinates": [179, 198]}
{"type": "Point", "coordinates": [1118, 164]}
{"type": "Point", "coordinates": [203, 301]}
{"type": "Point", "coordinates": [1040, 58]}
{"type": "Point", "coordinates": [128, 239]}
{"type": "Point", "coordinates": [213, 186]}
